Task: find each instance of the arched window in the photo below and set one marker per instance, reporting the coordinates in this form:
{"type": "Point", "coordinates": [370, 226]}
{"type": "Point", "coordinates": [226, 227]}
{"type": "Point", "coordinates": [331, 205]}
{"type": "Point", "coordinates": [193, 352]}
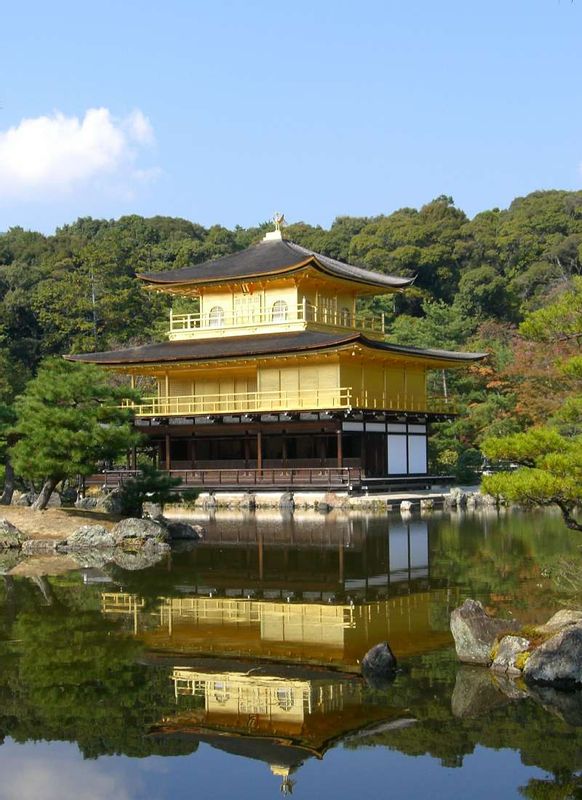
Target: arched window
{"type": "Point", "coordinates": [285, 699]}
{"type": "Point", "coordinates": [221, 693]}
{"type": "Point", "coordinates": [345, 317]}
{"type": "Point", "coordinates": [216, 317]}
{"type": "Point", "coordinates": [279, 311]}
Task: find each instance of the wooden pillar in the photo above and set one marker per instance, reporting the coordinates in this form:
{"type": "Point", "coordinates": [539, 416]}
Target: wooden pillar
{"type": "Point", "coordinates": [284, 449]}
{"type": "Point", "coordinates": [259, 450]}
{"type": "Point", "coordinates": [363, 452]}
{"type": "Point", "coordinates": [167, 455]}
{"type": "Point", "coordinates": [340, 455]}
{"type": "Point", "coordinates": [134, 458]}
{"type": "Point", "coordinates": [321, 450]}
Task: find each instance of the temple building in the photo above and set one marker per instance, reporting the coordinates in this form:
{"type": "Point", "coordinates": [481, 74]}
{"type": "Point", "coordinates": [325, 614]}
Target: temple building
{"type": "Point", "coordinates": [275, 378]}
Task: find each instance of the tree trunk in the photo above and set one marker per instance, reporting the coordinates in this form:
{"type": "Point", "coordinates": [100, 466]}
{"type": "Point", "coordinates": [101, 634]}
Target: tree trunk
{"type": "Point", "coordinates": [48, 488]}
{"type": "Point", "coordinates": [45, 588]}
{"type": "Point", "coordinates": [571, 522]}
{"type": "Point", "coordinates": [6, 496]}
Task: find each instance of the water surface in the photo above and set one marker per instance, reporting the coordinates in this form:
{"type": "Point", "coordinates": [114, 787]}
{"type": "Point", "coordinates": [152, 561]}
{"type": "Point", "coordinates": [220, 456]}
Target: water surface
{"type": "Point", "coordinates": [232, 668]}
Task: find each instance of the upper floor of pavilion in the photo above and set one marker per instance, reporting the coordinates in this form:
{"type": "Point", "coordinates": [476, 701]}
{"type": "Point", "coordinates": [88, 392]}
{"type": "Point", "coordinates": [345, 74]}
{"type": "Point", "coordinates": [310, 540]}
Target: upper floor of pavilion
{"type": "Point", "coordinates": [274, 286]}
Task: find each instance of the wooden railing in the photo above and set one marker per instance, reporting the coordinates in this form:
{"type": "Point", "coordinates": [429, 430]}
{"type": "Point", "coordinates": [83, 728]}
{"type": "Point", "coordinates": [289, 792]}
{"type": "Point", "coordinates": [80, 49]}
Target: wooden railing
{"type": "Point", "coordinates": [241, 402]}
{"type": "Point", "coordinates": [214, 321]}
{"type": "Point", "coordinates": [283, 477]}
{"type": "Point", "coordinates": [281, 400]}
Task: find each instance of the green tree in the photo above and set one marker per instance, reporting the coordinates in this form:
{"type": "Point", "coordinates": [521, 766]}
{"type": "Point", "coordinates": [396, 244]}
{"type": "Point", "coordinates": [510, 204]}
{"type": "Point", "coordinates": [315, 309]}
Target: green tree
{"type": "Point", "coordinates": [69, 420]}
{"type": "Point", "coordinates": [549, 473]}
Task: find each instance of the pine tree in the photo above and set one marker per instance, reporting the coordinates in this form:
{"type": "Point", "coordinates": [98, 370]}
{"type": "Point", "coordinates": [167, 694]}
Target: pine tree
{"type": "Point", "coordinates": [68, 421]}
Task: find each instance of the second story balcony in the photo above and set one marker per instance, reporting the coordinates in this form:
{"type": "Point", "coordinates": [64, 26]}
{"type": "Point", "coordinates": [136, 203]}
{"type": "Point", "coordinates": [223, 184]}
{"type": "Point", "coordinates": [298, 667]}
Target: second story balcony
{"type": "Point", "coordinates": [338, 398]}
{"type": "Point", "coordinates": [280, 317]}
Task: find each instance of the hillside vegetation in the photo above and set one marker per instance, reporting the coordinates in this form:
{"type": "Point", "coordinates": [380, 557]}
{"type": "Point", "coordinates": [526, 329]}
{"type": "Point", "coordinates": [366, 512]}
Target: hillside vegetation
{"type": "Point", "coordinates": [477, 280]}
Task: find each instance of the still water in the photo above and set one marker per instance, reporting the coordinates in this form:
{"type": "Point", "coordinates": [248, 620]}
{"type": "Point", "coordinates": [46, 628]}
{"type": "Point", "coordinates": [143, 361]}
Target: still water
{"type": "Point", "coordinates": [232, 669]}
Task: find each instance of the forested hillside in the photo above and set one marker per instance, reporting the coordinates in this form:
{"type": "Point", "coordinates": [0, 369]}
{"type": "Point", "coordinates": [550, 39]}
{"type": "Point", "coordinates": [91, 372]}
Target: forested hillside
{"type": "Point", "coordinates": [476, 279]}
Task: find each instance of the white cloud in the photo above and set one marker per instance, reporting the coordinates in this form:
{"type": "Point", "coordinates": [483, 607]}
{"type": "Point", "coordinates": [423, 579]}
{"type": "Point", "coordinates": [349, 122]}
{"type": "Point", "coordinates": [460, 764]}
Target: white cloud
{"type": "Point", "coordinates": [40, 776]}
{"type": "Point", "coordinates": [48, 154]}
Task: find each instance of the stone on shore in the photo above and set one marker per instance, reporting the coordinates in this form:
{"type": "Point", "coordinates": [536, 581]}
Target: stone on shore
{"type": "Point", "coordinates": [152, 511]}
{"type": "Point", "coordinates": [133, 533]}
{"type": "Point", "coordinates": [558, 661]}
{"type": "Point", "coordinates": [95, 537]}
{"type": "Point", "coordinates": [43, 547]}
{"type": "Point", "coordinates": [10, 536]}
{"type": "Point", "coordinates": [110, 503]}
{"type": "Point", "coordinates": [23, 498]}
{"type": "Point", "coordinates": [475, 632]}
{"type": "Point", "coordinates": [86, 502]}
{"type": "Point", "coordinates": [379, 666]}
{"type": "Point", "coordinates": [180, 531]}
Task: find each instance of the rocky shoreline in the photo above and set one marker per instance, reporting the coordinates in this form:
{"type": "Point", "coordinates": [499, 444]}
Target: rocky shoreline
{"type": "Point", "coordinates": [132, 543]}
{"type": "Point", "coordinates": [549, 654]}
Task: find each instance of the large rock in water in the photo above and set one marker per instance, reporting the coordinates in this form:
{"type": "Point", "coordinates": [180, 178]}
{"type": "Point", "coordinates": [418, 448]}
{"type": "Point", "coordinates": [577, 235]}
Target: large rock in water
{"type": "Point", "coordinates": [136, 533]}
{"type": "Point", "coordinates": [558, 661]}
{"type": "Point", "coordinates": [508, 651]}
{"type": "Point", "coordinates": [475, 632]}
{"type": "Point", "coordinates": [560, 620]}
{"type": "Point", "coordinates": [94, 537]}
{"type": "Point", "coordinates": [379, 666]}
{"type": "Point", "coordinates": [10, 536]}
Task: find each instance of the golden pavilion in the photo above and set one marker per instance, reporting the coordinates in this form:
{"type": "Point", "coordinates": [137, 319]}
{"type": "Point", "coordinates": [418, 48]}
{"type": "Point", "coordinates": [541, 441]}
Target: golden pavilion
{"type": "Point", "coordinates": [275, 378]}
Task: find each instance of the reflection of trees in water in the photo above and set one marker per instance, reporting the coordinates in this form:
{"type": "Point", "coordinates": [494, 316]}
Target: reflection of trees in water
{"type": "Point", "coordinates": [506, 560]}
{"type": "Point", "coordinates": [563, 787]}
{"type": "Point", "coordinates": [65, 676]}
{"type": "Point", "coordinates": [67, 672]}
{"type": "Point", "coordinates": [541, 738]}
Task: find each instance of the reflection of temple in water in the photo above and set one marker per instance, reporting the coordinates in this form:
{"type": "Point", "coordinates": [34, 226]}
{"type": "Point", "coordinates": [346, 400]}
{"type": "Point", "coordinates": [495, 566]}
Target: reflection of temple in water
{"type": "Point", "coordinates": [324, 605]}
{"type": "Point", "coordinates": [265, 628]}
{"type": "Point", "coordinates": [279, 717]}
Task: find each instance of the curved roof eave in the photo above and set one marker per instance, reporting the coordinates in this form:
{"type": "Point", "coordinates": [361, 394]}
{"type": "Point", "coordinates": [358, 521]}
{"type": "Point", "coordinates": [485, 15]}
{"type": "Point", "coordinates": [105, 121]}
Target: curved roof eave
{"type": "Point", "coordinates": [261, 345]}
{"type": "Point", "coordinates": [258, 261]}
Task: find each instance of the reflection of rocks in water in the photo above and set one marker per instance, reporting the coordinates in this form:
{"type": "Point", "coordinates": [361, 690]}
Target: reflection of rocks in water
{"type": "Point", "coordinates": [126, 559]}
{"type": "Point", "coordinates": [565, 705]}
{"type": "Point", "coordinates": [476, 693]}
{"type": "Point", "coordinates": [8, 560]}
{"type": "Point", "coordinates": [138, 560]}
{"type": "Point", "coordinates": [512, 688]}
{"type": "Point", "coordinates": [479, 691]}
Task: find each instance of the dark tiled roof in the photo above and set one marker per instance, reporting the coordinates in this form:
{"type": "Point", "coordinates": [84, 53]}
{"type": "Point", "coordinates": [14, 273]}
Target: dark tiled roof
{"type": "Point", "coordinates": [262, 344]}
{"type": "Point", "coordinates": [269, 258]}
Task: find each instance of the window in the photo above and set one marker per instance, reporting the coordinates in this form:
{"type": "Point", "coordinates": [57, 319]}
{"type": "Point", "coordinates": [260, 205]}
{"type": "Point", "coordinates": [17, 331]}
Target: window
{"type": "Point", "coordinates": [221, 692]}
{"type": "Point", "coordinates": [345, 317]}
{"type": "Point", "coordinates": [216, 317]}
{"type": "Point", "coordinates": [279, 311]}
{"type": "Point", "coordinates": [285, 699]}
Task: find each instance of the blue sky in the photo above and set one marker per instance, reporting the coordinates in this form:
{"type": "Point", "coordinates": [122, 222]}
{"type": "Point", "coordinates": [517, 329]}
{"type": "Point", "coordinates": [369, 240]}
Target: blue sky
{"type": "Point", "coordinates": [224, 112]}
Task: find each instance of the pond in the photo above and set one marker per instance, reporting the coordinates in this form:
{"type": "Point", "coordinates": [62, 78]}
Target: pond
{"type": "Point", "coordinates": [231, 669]}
